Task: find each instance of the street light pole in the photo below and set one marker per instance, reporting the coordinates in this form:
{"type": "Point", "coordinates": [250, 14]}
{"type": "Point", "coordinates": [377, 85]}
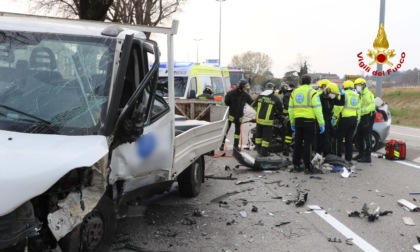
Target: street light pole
{"type": "Point", "coordinates": [220, 30]}
{"type": "Point", "coordinates": [197, 40]}
{"type": "Point", "coordinates": [379, 66]}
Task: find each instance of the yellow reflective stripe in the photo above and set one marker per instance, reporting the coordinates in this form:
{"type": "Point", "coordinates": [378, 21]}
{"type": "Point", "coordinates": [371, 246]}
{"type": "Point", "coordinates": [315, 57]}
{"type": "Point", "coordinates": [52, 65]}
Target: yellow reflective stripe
{"type": "Point", "coordinates": [264, 122]}
{"type": "Point", "coordinates": [236, 136]}
{"type": "Point", "coordinates": [258, 140]}
{"type": "Point", "coordinates": [396, 153]}
{"type": "Point", "coordinates": [231, 118]}
{"type": "Point", "coordinates": [317, 106]}
{"type": "Point", "coordinates": [265, 144]}
{"type": "Point", "coordinates": [267, 115]}
{"type": "Point", "coordinates": [288, 139]}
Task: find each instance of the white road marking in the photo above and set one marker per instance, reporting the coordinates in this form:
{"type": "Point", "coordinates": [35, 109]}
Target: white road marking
{"type": "Point", "coordinates": [404, 134]}
{"type": "Point", "coordinates": [408, 164]}
{"type": "Point", "coordinates": [340, 227]}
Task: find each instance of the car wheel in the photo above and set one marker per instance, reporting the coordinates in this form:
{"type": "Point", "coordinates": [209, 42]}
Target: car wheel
{"type": "Point", "coordinates": [96, 232]}
{"type": "Point", "coordinates": [189, 181]}
{"type": "Point", "coordinates": [375, 141]}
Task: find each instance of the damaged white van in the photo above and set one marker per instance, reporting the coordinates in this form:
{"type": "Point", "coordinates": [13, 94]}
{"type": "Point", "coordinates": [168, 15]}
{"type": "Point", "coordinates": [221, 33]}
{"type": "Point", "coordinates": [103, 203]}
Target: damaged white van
{"type": "Point", "coordinates": [83, 132]}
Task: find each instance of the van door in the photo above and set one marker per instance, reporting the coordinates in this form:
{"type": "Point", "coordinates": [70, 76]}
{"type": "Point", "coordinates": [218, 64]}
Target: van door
{"type": "Point", "coordinates": [141, 154]}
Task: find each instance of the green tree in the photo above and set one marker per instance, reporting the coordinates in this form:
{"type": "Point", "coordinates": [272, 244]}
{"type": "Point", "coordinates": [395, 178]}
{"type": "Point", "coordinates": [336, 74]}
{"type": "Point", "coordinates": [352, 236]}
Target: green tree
{"type": "Point", "coordinates": [256, 65]}
{"type": "Point", "coordinates": [300, 66]}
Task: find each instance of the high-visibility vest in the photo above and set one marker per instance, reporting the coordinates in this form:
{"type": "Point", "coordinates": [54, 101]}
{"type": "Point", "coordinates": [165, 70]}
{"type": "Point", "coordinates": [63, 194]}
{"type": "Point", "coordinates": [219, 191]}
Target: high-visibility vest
{"type": "Point", "coordinates": [305, 103]}
{"type": "Point", "coordinates": [351, 104]}
{"type": "Point", "coordinates": [367, 102]}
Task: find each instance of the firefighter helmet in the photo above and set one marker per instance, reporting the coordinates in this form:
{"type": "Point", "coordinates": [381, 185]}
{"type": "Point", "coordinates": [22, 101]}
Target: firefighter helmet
{"type": "Point", "coordinates": [242, 84]}
{"type": "Point", "coordinates": [348, 84]}
{"type": "Point", "coordinates": [360, 81]}
{"type": "Point", "coordinates": [270, 86]}
{"type": "Point", "coordinates": [323, 82]}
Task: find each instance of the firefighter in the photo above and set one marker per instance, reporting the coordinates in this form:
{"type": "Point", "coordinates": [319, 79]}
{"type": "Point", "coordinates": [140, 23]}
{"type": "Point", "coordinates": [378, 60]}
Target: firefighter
{"type": "Point", "coordinates": [328, 98]}
{"type": "Point", "coordinates": [346, 116]}
{"type": "Point", "coordinates": [304, 110]}
{"type": "Point", "coordinates": [364, 129]}
{"type": "Point", "coordinates": [207, 93]}
{"type": "Point", "coordinates": [268, 108]}
{"type": "Point", "coordinates": [236, 100]}
{"type": "Point", "coordinates": [286, 91]}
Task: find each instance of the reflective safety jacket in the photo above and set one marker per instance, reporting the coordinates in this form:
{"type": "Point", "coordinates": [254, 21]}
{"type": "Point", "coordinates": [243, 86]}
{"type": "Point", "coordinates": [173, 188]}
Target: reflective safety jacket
{"type": "Point", "coordinates": [305, 103]}
{"type": "Point", "coordinates": [268, 107]}
{"type": "Point", "coordinates": [367, 101]}
{"type": "Point", "coordinates": [349, 107]}
{"type": "Point", "coordinates": [236, 101]}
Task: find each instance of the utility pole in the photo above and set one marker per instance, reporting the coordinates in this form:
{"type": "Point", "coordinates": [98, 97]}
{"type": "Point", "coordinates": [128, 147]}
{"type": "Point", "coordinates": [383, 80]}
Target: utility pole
{"type": "Point", "coordinates": [220, 30]}
{"type": "Point", "coordinates": [197, 40]}
{"type": "Point", "coordinates": [379, 66]}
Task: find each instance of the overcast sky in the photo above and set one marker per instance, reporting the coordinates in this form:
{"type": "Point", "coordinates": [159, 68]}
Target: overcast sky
{"type": "Point", "coordinates": [329, 32]}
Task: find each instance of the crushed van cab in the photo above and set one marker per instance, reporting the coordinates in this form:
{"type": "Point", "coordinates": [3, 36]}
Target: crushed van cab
{"type": "Point", "coordinates": [84, 134]}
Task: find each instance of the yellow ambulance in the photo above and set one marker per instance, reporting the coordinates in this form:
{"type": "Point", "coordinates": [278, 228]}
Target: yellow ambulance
{"type": "Point", "coordinates": [190, 80]}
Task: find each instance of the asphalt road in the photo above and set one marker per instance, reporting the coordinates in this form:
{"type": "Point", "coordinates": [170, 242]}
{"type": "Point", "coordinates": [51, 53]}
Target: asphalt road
{"type": "Point", "coordinates": [169, 224]}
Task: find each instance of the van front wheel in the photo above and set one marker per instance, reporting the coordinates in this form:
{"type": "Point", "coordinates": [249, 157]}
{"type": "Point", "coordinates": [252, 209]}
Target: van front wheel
{"type": "Point", "coordinates": [189, 181]}
{"type": "Point", "coordinates": [96, 231]}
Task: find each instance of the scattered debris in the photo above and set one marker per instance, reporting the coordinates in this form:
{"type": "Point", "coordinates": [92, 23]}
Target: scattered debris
{"type": "Point", "coordinates": [334, 240]}
{"type": "Point", "coordinates": [198, 213]}
{"type": "Point", "coordinates": [246, 181]}
{"type": "Point", "coordinates": [273, 182]}
{"type": "Point", "coordinates": [223, 178]}
{"type": "Point", "coordinates": [314, 207]}
{"type": "Point", "coordinates": [349, 241]}
{"type": "Point", "coordinates": [227, 168]}
{"type": "Point", "coordinates": [416, 247]}
{"type": "Point", "coordinates": [414, 193]}
{"type": "Point", "coordinates": [346, 173]}
{"type": "Point", "coordinates": [230, 222]}
{"type": "Point", "coordinates": [270, 214]}
{"type": "Point", "coordinates": [254, 209]}
{"type": "Point", "coordinates": [282, 223]}
{"type": "Point", "coordinates": [260, 223]}
{"type": "Point", "coordinates": [408, 221]}
{"type": "Point", "coordinates": [408, 205]}
{"type": "Point", "coordinates": [188, 221]}
{"type": "Point", "coordinates": [301, 198]}
{"type": "Point", "coordinates": [243, 214]}
{"type": "Point", "coordinates": [371, 216]}
{"type": "Point", "coordinates": [317, 161]}
{"type": "Point", "coordinates": [315, 177]}
{"type": "Point", "coordinates": [277, 197]}
{"type": "Point", "coordinates": [219, 198]}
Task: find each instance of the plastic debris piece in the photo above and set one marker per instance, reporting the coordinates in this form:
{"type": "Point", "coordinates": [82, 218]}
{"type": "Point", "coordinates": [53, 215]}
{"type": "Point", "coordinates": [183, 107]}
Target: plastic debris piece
{"type": "Point", "coordinates": [301, 199]}
{"type": "Point", "coordinates": [254, 209]}
{"type": "Point", "coordinates": [354, 214]}
{"type": "Point", "coordinates": [416, 247]}
{"type": "Point", "coordinates": [346, 173]}
{"type": "Point", "coordinates": [418, 239]}
{"type": "Point", "coordinates": [282, 223]}
{"type": "Point", "coordinates": [408, 205]}
{"type": "Point", "coordinates": [314, 207]}
{"type": "Point", "coordinates": [315, 177]}
{"type": "Point", "coordinates": [270, 214]}
{"type": "Point", "coordinates": [349, 241]}
{"type": "Point", "coordinates": [414, 193]}
{"type": "Point", "coordinates": [243, 214]}
{"type": "Point", "coordinates": [198, 213]}
{"type": "Point", "coordinates": [408, 221]}
{"type": "Point", "coordinates": [385, 213]}
{"type": "Point", "coordinates": [246, 181]}
{"type": "Point", "coordinates": [227, 168]}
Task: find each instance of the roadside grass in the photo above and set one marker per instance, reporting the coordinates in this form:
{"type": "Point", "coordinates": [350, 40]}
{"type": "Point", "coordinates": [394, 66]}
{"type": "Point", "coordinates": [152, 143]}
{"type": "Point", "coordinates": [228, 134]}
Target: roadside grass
{"type": "Point", "coordinates": [404, 105]}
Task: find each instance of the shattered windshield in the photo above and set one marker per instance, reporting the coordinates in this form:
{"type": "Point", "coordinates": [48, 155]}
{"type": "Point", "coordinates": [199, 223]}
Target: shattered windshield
{"type": "Point", "coordinates": [180, 85]}
{"type": "Point", "coordinates": [54, 83]}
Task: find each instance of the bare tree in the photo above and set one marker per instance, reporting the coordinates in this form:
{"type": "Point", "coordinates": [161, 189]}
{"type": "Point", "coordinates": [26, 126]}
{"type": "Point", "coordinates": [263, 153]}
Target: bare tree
{"type": "Point", "coordinates": [141, 12]}
{"type": "Point", "coordinates": [257, 65]}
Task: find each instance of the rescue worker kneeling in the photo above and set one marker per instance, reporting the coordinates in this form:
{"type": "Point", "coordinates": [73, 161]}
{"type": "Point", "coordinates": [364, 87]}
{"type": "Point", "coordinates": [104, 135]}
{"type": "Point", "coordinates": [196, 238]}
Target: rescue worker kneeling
{"type": "Point", "coordinates": [268, 107]}
{"type": "Point", "coordinates": [346, 115]}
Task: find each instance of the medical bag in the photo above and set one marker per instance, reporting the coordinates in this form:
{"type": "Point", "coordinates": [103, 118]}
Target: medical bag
{"type": "Point", "coordinates": [395, 150]}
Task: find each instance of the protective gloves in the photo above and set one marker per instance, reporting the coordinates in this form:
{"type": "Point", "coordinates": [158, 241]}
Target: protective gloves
{"type": "Point", "coordinates": [341, 90]}
{"type": "Point", "coordinates": [322, 129]}
{"type": "Point", "coordinates": [293, 128]}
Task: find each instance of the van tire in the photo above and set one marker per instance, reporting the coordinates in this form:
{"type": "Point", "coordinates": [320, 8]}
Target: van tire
{"type": "Point", "coordinates": [190, 180]}
{"type": "Point", "coordinates": [100, 222]}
